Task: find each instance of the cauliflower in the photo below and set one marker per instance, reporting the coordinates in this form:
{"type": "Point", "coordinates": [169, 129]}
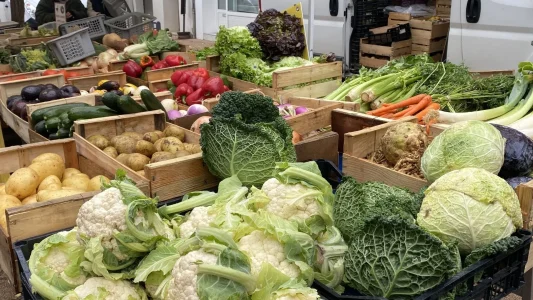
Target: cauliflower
{"type": "Point", "coordinates": [105, 289]}
{"type": "Point", "coordinates": [263, 249]}
{"type": "Point", "coordinates": [184, 275]}
{"type": "Point", "coordinates": [296, 294]}
{"type": "Point", "coordinates": [198, 217]}
{"type": "Point", "coordinates": [291, 201]}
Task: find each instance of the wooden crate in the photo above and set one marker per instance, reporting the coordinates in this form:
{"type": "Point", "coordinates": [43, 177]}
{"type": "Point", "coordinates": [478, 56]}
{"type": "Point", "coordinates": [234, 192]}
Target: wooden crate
{"type": "Point", "coordinates": [187, 45]}
{"type": "Point", "coordinates": [30, 41]}
{"type": "Point", "coordinates": [428, 30]}
{"type": "Point", "coordinates": [443, 8]}
{"type": "Point", "coordinates": [396, 18]}
{"type": "Point", "coordinates": [44, 217]}
{"type": "Point", "coordinates": [167, 179]}
{"type": "Point", "coordinates": [74, 72]}
{"type": "Point", "coordinates": [87, 82]}
{"type": "Point", "coordinates": [283, 81]}
{"type": "Point", "coordinates": [376, 56]}
{"type": "Point", "coordinates": [13, 88]}
{"type": "Point", "coordinates": [20, 76]}
{"type": "Point", "coordinates": [429, 46]}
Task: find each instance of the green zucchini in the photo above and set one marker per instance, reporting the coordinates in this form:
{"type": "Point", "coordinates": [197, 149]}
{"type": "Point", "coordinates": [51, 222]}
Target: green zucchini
{"type": "Point", "coordinates": [91, 112]}
{"type": "Point", "coordinates": [111, 100]}
{"type": "Point", "coordinates": [63, 133]}
{"type": "Point", "coordinates": [38, 115]}
{"type": "Point", "coordinates": [151, 102]}
{"type": "Point", "coordinates": [128, 106]}
{"type": "Point", "coordinates": [40, 128]}
{"type": "Point", "coordinates": [52, 124]}
{"type": "Point", "coordinates": [65, 121]}
{"type": "Point", "coordinates": [53, 136]}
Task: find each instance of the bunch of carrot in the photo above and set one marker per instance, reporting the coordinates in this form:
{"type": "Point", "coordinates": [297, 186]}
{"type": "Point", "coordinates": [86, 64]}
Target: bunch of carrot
{"type": "Point", "coordinates": [418, 106]}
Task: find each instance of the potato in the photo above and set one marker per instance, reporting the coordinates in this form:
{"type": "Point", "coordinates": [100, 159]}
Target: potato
{"type": "Point", "coordinates": [123, 158]}
{"type": "Point", "coordinates": [7, 201]}
{"type": "Point", "coordinates": [182, 153]}
{"type": "Point", "coordinates": [2, 189]}
{"type": "Point", "coordinates": [30, 199]}
{"type": "Point", "coordinates": [49, 180]}
{"type": "Point", "coordinates": [22, 183]}
{"type": "Point", "coordinates": [172, 144]}
{"type": "Point", "coordinates": [46, 195]}
{"type": "Point", "coordinates": [157, 145]}
{"type": "Point", "coordinates": [78, 181]}
{"type": "Point", "coordinates": [137, 161]}
{"type": "Point", "coordinates": [141, 173]}
{"type": "Point", "coordinates": [193, 148]}
{"type": "Point", "coordinates": [159, 133]}
{"type": "Point", "coordinates": [125, 144]}
{"type": "Point", "coordinates": [136, 136]}
{"type": "Point", "coordinates": [95, 183]}
{"type": "Point", "coordinates": [175, 131]}
{"type": "Point", "coordinates": [161, 156]}
{"type": "Point", "coordinates": [54, 187]}
{"type": "Point", "coordinates": [47, 168]}
{"type": "Point", "coordinates": [145, 148]}
{"type": "Point", "coordinates": [99, 141]}
{"type": "Point", "coordinates": [48, 156]}
{"type": "Point", "coordinates": [69, 172]}
{"type": "Point", "coordinates": [111, 151]}
{"type": "Point", "coordinates": [151, 137]}
{"type": "Point", "coordinates": [114, 140]}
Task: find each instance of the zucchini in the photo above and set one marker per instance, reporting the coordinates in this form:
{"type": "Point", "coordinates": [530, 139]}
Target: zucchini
{"type": "Point", "coordinates": [128, 106]}
{"type": "Point", "coordinates": [40, 128]}
{"type": "Point", "coordinates": [53, 136]}
{"type": "Point", "coordinates": [63, 133]}
{"type": "Point", "coordinates": [52, 124]}
{"type": "Point", "coordinates": [110, 100]}
{"type": "Point", "coordinates": [91, 112]}
{"type": "Point", "coordinates": [151, 102]}
{"type": "Point", "coordinates": [65, 121]}
{"type": "Point", "coordinates": [38, 115]}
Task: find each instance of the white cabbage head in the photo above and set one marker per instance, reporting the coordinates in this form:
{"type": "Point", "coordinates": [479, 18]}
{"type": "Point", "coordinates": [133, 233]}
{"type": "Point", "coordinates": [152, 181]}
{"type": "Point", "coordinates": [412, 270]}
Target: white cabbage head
{"type": "Point", "coordinates": [472, 207]}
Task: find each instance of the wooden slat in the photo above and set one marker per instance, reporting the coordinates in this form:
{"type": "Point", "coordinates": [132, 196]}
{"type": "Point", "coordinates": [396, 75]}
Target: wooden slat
{"type": "Point", "coordinates": [434, 46]}
{"type": "Point", "coordinates": [321, 146]}
{"type": "Point", "coordinates": [12, 77]}
{"type": "Point", "coordinates": [307, 74]}
{"type": "Point", "coordinates": [187, 45]}
{"type": "Point", "coordinates": [397, 48]}
{"type": "Point", "coordinates": [344, 121]}
{"type": "Point", "coordinates": [164, 74]}
{"type": "Point", "coordinates": [87, 82]}
{"type": "Point", "coordinates": [30, 41]}
{"type": "Point", "coordinates": [525, 195]}
{"type": "Point", "coordinates": [399, 16]}
{"type": "Point", "coordinates": [91, 99]}
{"type": "Point", "coordinates": [7, 258]}
{"type": "Point", "coordinates": [313, 120]}
{"type": "Point", "coordinates": [315, 90]}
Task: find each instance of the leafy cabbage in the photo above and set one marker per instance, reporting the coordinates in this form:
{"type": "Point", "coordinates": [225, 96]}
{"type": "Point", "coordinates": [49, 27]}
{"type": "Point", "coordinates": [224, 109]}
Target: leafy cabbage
{"type": "Point", "coordinates": [472, 207]}
{"type": "Point", "coordinates": [237, 39]}
{"type": "Point", "coordinates": [467, 144]}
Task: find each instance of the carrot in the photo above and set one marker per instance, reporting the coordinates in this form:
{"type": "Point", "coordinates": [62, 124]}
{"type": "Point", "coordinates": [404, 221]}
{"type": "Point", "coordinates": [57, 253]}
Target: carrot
{"type": "Point", "coordinates": [410, 111]}
{"type": "Point", "coordinates": [420, 116]}
{"type": "Point", "coordinates": [387, 116]}
{"type": "Point", "coordinates": [403, 103]}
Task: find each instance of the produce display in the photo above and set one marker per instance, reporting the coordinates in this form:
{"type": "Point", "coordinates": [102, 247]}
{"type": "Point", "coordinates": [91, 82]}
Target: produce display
{"type": "Point", "coordinates": [137, 68]}
{"type": "Point", "coordinates": [135, 150]}
{"type": "Point", "coordinates": [151, 43]}
{"type": "Point", "coordinates": [45, 179]}
{"type": "Point", "coordinates": [193, 86]}
{"type": "Point", "coordinates": [26, 32]}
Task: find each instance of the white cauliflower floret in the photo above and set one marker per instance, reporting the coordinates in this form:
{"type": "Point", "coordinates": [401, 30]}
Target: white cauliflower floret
{"type": "Point", "coordinates": [57, 260]}
{"type": "Point", "coordinates": [182, 286]}
{"type": "Point", "coordinates": [199, 217]}
{"type": "Point", "coordinates": [103, 215]}
{"type": "Point", "coordinates": [291, 201]}
{"type": "Point", "coordinates": [297, 294]}
{"type": "Point", "coordinates": [115, 289]}
{"type": "Point", "coordinates": [261, 248]}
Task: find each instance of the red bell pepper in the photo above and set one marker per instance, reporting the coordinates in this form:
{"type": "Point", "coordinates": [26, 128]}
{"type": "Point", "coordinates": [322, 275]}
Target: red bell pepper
{"type": "Point", "coordinates": [146, 61]}
{"type": "Point", "coordinates": [132, 69]}
{"type": "Point", "coordinates": [195, 98]}
{"type": "Point", "coordinates": [175, 60]}
{"type": "Point", "coordinates": [196, 82]}
{"type": "Point", "coordinates": [213, 86]}
{"type": "Point", "coordinates": [179, 77]}
{"type": "Point", "coordinates": [160, 65]}
{"type": "Point", "coordinates": [182, 91]}
{"type": "Point", "coordinates": [226, 88]}
{"type": "Point", "coordinates": [201, 72]}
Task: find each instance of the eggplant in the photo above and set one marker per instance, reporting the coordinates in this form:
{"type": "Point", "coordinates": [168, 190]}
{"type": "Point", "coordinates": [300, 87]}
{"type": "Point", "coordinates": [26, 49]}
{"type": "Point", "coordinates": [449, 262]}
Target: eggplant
{"type": "Point", "coordinates": [516, 181]}
{"type": "Point", "coordinates": [20, 110]}
{"type": "Point", "coordinates": [11, 100]}
{"type": "Point", "coordinates": [109, 86]}
{"type": "Point", "coordinates": [118, 92]}
{"type": "Point", "coordinates": [50, 86]}
{"type": "Point", "coordinates": [70, 89]}
{"type": "Point", "coordinates": [518, 156]}
{"type": "Point", "coordinates": [50, 94]}
{"type": "Point", "coordinates": [30, 92]}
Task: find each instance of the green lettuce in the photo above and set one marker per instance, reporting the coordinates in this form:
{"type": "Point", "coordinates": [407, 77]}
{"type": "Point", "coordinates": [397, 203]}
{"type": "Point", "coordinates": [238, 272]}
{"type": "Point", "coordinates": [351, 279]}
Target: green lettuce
{"type": "Point", "coordinates": [237, 39]}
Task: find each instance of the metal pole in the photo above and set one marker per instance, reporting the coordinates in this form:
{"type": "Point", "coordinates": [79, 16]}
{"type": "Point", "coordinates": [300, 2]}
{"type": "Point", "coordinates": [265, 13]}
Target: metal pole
{"type": "Point", "coordinates": [310, 29]}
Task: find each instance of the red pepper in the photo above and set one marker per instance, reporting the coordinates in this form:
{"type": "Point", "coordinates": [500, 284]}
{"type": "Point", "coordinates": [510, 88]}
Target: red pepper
{"type": "Point", "coordinates": [132, 69]}
{"type": "Point", "coordinates": [175, 60]}
{"type": "Point", "coordinates": [213, 86]}
{"type": "Point", "coordinates": [226, 88]}
{"type": "Point", "coordinates": [201, 72]}
{"type": "Point", "coordinates": [182, 91]}
{"type": "Point", "coordinates": [196, 82]}
{"type": "Point", "coordinates": [195, 98]}
{"type": "Point", "coordinates": [160, 65]}
{"type": "Point", "coordinates": [146, 61]}
{"type": "Point", "coordinates": [179, 77]}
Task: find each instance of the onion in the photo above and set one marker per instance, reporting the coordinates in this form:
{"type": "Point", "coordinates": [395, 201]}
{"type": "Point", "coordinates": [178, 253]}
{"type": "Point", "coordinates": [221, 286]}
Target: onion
{"type": "Point", "coordinates": [183, 112]}
{"type": "Point", "coordinates": [173, 114]}
{"type": "Point", "coordinates": [196, 109]}
{"type": "Point", "coordinates": [89, 60]}
{"type": "Point", "coordinates": [301, 110]}
{"type": "Point", "coordinates": [103, 60]}
{"type": "Point", "coordinates": [201, 120]}
{"type": "Point", "coordinates": [95, 65]}
{"type": "Point", "coordinates": [169, 104]}
{"type": "Point", "coordinates": [113, 52]}
{"type": "Point", "coordinates": [137, 92]}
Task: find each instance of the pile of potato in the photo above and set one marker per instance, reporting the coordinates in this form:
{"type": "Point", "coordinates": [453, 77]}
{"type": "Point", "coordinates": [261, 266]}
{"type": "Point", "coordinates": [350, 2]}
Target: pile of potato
{"type": "Point", "coordinates": [45, 179]}
{"type": "Point", "coordinates": [135, 150]}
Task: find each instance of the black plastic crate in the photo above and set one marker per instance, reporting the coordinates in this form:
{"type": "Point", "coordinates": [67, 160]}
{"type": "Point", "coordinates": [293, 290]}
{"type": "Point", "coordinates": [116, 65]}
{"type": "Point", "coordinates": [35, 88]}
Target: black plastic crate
{"type": "Point", "coordinates": [502, 274]}
{"type": "Point", "coordinates": [401, 32]}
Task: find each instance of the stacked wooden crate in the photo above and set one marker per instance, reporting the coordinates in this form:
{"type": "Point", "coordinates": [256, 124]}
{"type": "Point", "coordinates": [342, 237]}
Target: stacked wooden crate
{"type": "Point", "coordinates": [375, 56]}
{"type": "Point", "coordinates": [429, 37]}
{"type": "Point", "coordinates": [396, 18]}
{"type": "Point", "coordinates": [443, 8]}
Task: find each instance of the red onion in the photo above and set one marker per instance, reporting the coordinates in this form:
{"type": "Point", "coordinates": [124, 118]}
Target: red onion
{"type": "Point", "coordinates": [196, 109]}
{"type": "Point", "coordinates": [174, 114]}
{"type": "Point", "coordinates": [301, 110]}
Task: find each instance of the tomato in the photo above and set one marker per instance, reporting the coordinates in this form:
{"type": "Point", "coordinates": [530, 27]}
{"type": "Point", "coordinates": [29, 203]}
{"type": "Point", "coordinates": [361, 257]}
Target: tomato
{"type": "Point", "coordinates": [71, 75]}
{"type": "Point", "coordinates": [51, 72]}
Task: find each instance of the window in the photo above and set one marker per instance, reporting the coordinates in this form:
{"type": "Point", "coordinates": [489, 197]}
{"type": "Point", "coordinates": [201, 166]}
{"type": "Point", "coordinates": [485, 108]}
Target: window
{"type": "Point", "coordinates": [246, 6]}
{"type": "Point", "coordinates": [222, 4]}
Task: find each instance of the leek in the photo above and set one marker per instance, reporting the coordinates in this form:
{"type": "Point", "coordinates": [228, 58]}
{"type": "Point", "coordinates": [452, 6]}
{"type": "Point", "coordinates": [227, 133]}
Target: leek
{"type": "Point", "coordinates": [524, 123]}
{"type": "Point", "coordinates": [517, 113]}
{"type": "Point", "coordinates": [355, 93]}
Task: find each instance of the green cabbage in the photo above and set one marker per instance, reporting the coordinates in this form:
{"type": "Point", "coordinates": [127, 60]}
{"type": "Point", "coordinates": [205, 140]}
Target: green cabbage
{"type": "Point", "coordinates": [473, 144]}
{"type": "Point", "coordinates": [472, 207]}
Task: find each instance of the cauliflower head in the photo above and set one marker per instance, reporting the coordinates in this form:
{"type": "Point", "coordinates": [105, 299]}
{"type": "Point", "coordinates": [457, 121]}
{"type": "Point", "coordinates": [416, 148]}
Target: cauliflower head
{"type": "Point", "coordinates": [105, 289]}
{"type": "Point", "coordinates": [199, 217]}
{"type": "Point", "coordinates": [261, 248]}
{"type": "Point", "coordinates": [182, 286]}
{"type": "Point", "coordinates": [296, 294]}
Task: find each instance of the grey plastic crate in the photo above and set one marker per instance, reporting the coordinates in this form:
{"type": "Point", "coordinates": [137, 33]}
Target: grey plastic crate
{"type": "Point", "coordinates": [130, 25]}
{"type": "Point", "coordinates": [116, 8]}
{"type": "Point", "coordinates": [72, 47]}
{"type": "Point", "coordinates": [95, 24]}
